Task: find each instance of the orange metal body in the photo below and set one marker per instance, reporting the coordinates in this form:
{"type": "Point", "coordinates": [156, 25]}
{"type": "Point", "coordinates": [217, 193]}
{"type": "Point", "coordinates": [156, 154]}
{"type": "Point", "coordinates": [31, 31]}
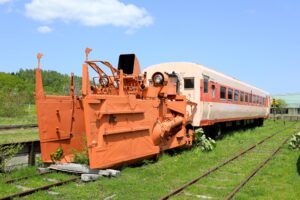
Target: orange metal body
{"type": "Point", "coordinates": [118, 119]}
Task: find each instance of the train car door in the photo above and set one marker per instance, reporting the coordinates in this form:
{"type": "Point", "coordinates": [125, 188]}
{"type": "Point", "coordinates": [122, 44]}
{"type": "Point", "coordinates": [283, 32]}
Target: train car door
{"type": "Point", "coordinates": [189, 88]}
{"type": "Point", "coordinates": [208, 93]}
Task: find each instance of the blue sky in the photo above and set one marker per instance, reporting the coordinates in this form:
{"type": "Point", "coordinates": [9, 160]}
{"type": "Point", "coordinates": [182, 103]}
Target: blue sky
{"type": "Point", "coordinates": [256, 41]}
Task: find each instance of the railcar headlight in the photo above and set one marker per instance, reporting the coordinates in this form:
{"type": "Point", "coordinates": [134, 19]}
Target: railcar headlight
{"type": "Point", "coordinates": [104, 81]}
{"type": "Point", "coordinates": [158, 78]}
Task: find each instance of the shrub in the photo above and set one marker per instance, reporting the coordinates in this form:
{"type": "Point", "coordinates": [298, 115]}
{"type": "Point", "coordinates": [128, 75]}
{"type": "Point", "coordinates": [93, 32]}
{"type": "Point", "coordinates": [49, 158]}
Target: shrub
{"type": "Point", "coordinates": [7, 152]}
{"type": "Point", "coordinates": [57, 155]}
{"type": "Point", "coordinates": [205, 143]}
{"type": "Point", "coordinates": [81, 157]}
{"type": "Point", "coordinates": [12, 105]}
{"type": "Point", "coordinates": [295, 141]}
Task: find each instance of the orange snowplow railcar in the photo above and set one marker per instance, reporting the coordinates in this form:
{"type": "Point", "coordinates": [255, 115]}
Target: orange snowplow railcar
{"type": "Point", "coordinates": [118, 118]}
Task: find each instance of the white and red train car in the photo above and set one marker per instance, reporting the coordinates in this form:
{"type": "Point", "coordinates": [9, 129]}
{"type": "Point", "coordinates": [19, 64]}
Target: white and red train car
{"type": "Point", "coordinates": [219, 100]}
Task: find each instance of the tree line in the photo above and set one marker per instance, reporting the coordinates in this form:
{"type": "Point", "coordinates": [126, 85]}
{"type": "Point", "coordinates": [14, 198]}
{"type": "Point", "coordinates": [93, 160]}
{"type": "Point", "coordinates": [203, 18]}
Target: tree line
{"type": "Point", "coordinates": [17, 89]}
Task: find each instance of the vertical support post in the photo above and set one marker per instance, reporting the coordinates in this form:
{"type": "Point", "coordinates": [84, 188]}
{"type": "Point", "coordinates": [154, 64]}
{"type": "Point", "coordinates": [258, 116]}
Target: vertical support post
{"type": "Point", "coordinates": [1, 164]}
{"type": "Point", "coordinates": [85, 80]}
{"type": "Point", "coordinates": [121, 84]}
{"type": "Point", "coordinates": [72, 85]}
{"type": "Point", "coordinates": [31, 154]}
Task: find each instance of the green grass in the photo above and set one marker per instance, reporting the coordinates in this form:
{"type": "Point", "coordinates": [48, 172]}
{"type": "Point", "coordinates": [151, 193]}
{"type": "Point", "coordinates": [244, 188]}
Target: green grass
{"type": "Point", "coordinates": [6, 189]}
{"type": "Point", "coordinates": [29, 118]}
{"type": "Point", "coordinates": [154, 180]}
{"type": "Point", "coordinates": [18, 135]}
{"type": "Point", "coordinates": [231, 175]}
{"type": "Point", "coordinates": [278, 180]}
{"type": "Point", "coordinates": [33, 182]}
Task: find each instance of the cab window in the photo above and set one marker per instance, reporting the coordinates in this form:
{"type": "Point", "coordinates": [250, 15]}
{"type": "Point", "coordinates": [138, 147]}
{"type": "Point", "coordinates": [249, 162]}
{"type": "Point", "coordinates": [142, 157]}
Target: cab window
{"type": "Point", "coordinates": [189, 83]}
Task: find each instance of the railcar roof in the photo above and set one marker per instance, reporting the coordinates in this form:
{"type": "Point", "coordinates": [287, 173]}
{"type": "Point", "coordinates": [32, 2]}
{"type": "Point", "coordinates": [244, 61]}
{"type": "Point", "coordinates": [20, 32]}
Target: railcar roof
{"type": "Point", "coordinates": [210, 70]}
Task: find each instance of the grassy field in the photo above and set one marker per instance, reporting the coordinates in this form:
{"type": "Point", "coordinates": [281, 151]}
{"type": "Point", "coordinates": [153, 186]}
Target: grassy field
{"type": "Point", "coordinates": [153, 180]}
{"type": "Point", "coordinates": [9, 189]}
{"type": "Point", "coordinates": [29, 118]}
{"type": "Point", "coordinates": [280, 179]}
{"type": "Point", "coordinates": [220, 184]}
{"type": "Point", "coordinates": [18, 135]}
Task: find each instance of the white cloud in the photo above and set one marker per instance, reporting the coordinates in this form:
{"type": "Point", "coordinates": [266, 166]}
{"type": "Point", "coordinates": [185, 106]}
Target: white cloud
{"type": "Point", "coordinates": [4, 1]}
{"type": "Point", "coordinates": [89, 12]}
{"type": "Point", "coordinates": [44, 29]}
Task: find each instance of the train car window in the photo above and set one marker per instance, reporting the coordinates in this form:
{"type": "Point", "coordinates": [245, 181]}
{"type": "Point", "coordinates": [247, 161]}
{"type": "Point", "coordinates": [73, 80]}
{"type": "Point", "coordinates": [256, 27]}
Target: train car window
{"type": "Point", "coordinates": [213, 91]}
{"type": "Point", "coordinates": [205, 87]}
{"type": "Point", "coordinates": [229, 94]}
{"type": "Point", "coordinates": [246, 97]}
{"type": "Point", "coordinates": [250, 98]}
{"type": "Point", "coordinates": [242, 97]}
{"type": "Point", "coordinates": [223, 93]}
{"type": "Point", "coordinates": [188, 83]}
{"type": "Point", "coordinates": [236, 95]}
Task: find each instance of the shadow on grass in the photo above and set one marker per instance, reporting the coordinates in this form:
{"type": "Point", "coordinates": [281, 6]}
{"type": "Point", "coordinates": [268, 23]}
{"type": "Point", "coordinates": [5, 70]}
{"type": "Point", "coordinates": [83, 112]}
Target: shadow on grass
{"type": "Point", "coordinates": [231, 131]}
{"type": "Point", "coordinates": [298, 165]}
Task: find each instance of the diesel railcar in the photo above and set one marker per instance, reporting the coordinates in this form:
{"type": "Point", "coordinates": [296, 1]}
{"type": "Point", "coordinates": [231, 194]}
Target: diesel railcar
{"type": "Point", "coordinates": [219, 100]}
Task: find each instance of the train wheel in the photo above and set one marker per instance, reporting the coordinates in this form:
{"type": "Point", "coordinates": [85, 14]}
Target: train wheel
{"type": "Point", "coordinates": [218, 130]}
{"type": "Point", "coordinates": [215, 131]}
{"type": "Point", "coordinates": [260, 122]}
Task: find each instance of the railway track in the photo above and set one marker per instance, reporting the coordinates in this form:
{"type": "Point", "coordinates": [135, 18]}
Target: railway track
{"type": "Point", "coordinates": [17, 126]}
{"type": "Point", "coordinates": [28, 191]}
{"type": "Point", "coordinates": [240, 155]}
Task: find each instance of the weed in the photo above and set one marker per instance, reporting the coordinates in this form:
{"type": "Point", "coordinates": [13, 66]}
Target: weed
{"type": "Point", "coordinates": [205, 143]}
{"type": "Point", "coordinates": [7, 152]}
{"type": "Point", "coordinates": [295, 141]}
{"type": "Point", "coordinates": [57, 155]}
{"type": "Point", "coordinates": [81, 157]}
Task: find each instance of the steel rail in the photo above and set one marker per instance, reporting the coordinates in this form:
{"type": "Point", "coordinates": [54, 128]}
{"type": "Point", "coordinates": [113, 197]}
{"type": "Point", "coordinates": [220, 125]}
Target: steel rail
{"type": "Point", "coordinates": [254, 172]}
{"type": "Point", "coordinates": [241, 153]}
{"type": "Point", "coordinates": [21, 143]}
{"type": "Point", "coordinates": [26, 177]}
{"type": "Point", "coordinates": [31, 191]}
{"type": "Point", "coordinates": [17, 126]}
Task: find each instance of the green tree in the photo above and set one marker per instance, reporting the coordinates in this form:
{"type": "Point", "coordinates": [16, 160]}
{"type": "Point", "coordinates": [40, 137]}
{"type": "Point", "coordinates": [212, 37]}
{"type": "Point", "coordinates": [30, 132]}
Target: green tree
{"type": "Point", "coordinates": [281, 106]}
{"type": "Point", "coordinates": [17, 89]}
